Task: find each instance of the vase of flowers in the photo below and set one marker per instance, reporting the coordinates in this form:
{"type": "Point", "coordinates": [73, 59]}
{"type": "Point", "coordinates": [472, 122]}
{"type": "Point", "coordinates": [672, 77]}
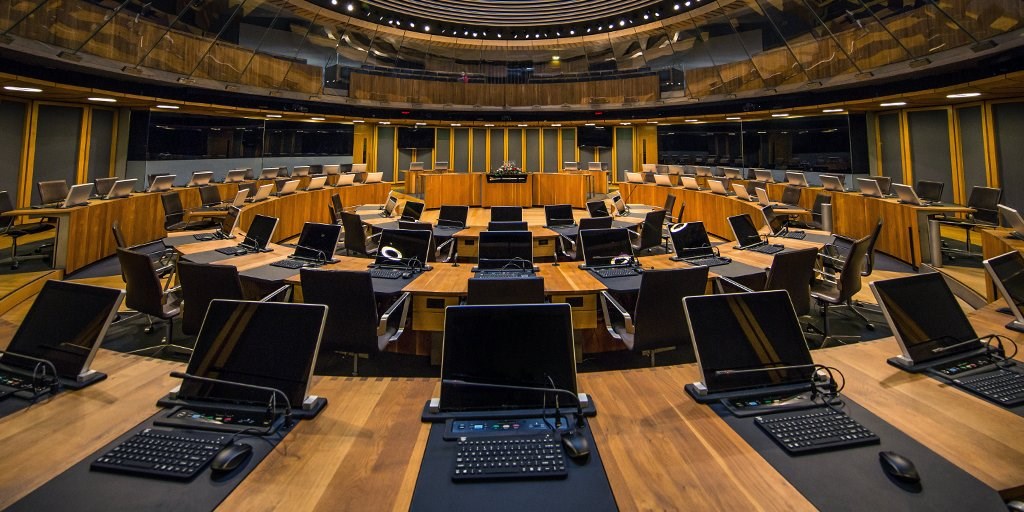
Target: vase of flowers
{"type": "Point", "coordinates": [507, 172]}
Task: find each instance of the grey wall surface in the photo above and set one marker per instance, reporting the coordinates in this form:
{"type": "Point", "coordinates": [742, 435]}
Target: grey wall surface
{"type": "Point", "coordinates": [889, 134]}
{"type": "Point", "coordinates": [551, 162]}
{"type": "Point", "coordinates": [497, 154]}
{"type": "Point", "coordinates": [515, 146]}
{"type": "Point", "coordinates": [1009, 125]}
{"type": "Point", "coordinates": [460, 155]}
{"type": "Point", "coordinates": [568, 145]}
{"type": "Point", "coordinates": [929, 148]}
{"type": "Point", "coordinates": [100, 143]}
{"type": "Point", "coordinates": [623, 152]}
{"type": "Point", "coordinates": [12, 125]}
{"type": "Point", "coordinates": [442, 146]}
{"type": "Point", "coordinates": [58, 130]}
{"type": "Point", "coordinates": [972, 147]}
{"type": "Point", "coordinates": [385, 152]}
{"type": "Point", "coordinates": [479, 150]}
{"type": "Point", "coordinates": [532, 163]}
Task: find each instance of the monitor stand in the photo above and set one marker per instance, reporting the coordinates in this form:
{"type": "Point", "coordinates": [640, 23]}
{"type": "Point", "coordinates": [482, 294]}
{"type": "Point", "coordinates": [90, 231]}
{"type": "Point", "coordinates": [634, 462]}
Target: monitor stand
{"type": "Point", "coordinates": [84, 380]}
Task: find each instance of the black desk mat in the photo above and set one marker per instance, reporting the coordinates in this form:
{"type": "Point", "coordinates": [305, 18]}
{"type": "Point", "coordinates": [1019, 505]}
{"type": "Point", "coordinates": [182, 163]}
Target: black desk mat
{"type": "Point", "coordinates": [207, 257]}
{"type": "Point", "coordinates": [13, 403]}
{"type": "Point", "coordinates": [277, 275]}
{"type": "Point", "coordinates": [1016, 409]}
{"type": "Point", "coordinates": [586, 488]}
{"type": "Point", "coordinates": [83, 490]}
{"type": "Point", "coordinates": [853, 479]}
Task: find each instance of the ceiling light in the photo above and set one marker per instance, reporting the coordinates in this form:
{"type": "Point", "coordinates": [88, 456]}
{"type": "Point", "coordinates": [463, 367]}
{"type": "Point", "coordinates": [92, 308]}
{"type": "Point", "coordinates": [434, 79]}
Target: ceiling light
{"type": "Point", "coordinates": [421, 124]}
{"type": "Point", "coordinates": [537, 36]}
{"type": "Point", "coordinates": [611, 26]}
{"type": "Point", "coordinates": [734, 119]}
{"type": "Point", "coordinates": [488, 125]}
{"type": "Point", "coordinates": [426, 28]}
{"type": "Point", "coordinates": [832, 110]}
{"type": "Point", "coordinates": [555, 58]}
{"type": "Point", "coordinates": [652, 122]}
{"type": "Point", "coordinates": [647, 16]}
{"type": "Point", "coordinates": [675, 7]}
{"type": "Point", "coordinates": [657, 15]}
{"type": "Point", "coordinates": [273, 115]}
{"type": "Point", "coordinates": [893, 104]}
{"type": "Point", "coordinates": [588, 30]}
{"type": "Point", "coordinates": [22, 89]}
{"type": "Point", "coordinates": [590, 124]}
{"type": "Point", "coordinates": [687, 4]}
{"type": "Point", "coordinates": [358, 121]}
{"type": "Point", "coordinates": [522, 125]}
{"type": "Point", "coordinates": [572, 32]}
{"type": "Point", "coordinates": [691, 120]}
{"type": "Point", "coordinates": [780, 115]}
{"type": "Point", "coordinates": [385, 122]}
{"type": "Point", "coordinates": [317, 119]}
{"type": "Point", "coordinates": [963, 95]}
{"type": "Point", "coordinates": [625, 124]}
{"type": "Point", "coordinates": [558, 34]}
{"type": "Point", "coordinates": [474, 34]}
{"type": "Point", "coordinates": [456, 124]}
{"type": "Point", "coordinates": [622, 23]}
{"type": "Point", "coordinates": [334, 2]}
{"type": "Point", "coordinates": [168, 107]}
{"type": "Point", "coordinates": [556, 125]}
{"type": "Point", "coordinates": [349, 7]}
{"type": "Point", "coordinates": [105, 100]}
{"type": "Point", "coordinates": [411, 24]}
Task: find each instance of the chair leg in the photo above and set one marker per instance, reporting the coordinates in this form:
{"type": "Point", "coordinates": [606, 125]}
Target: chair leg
{"type": "Point", "coordinates": [860, 315]}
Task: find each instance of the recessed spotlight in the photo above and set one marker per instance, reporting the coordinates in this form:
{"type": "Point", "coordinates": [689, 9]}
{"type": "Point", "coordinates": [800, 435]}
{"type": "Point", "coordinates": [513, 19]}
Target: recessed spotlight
{"type": "Point", "coordinates": [691, 120]}
{"type": "Point", "coordinates": [687, 4]}
{"type": "Point", "coordinates": [831, 110]}
{"type": "Point", "coordinates": [334, 2]}
{"type": "Point", "coordinates": [652, 122]}
{"type": "Point", "coordinates": [22, 89]}
{"type": "Point", "coordinates": [590, 124]}
{"type": "Point", "coordinates": [622, 23]}
{"type": "Point", "coordinates": [893, 104]}
{"type": "Point", "coordinates": [273, 115]}
{"type": "Point", "coordinates": [537, 36]}
{"type": "Point", "coordinates": [657, 15]}
{"type": "Point", "coordinates": [647, 16]}
{"type": "Point", "coordinates": [474, 34]}
{"type": "Point", "coordinates": [104, 100]}
{"type": "Point", "coordinates": [780, 115]}
{"type": "Point", "coordinates": [488, 125]}
{"type": "Point", "coordinates": [411, 24]}
{"type": "Point", "coordinates": [611, 26]}
{"type": "Point", "coordinates": [572, 32]}
{"type": "Point", "coordinates": [317, 119]}
{"type": "Point", "coordinates": [456, 124]}
{"type": "Point", "coordinates": [963, 95]}
{"type": "Point", "coordinates": [556, 125]}
{"type": "Point", "coordinates": [358, 121]}
{"type": "Point", "coordinates": [350, 7]}
{"type": "Point", "coordinates": [426, 28]}
{"type": "Point", "coordinates": [588, 30]}
{"type": "Point", "coordinates": [522, 125]}
{"type": "Point", "coordinates": [168, 107]}
{"type": "Point", "coordinates": [625, 124]}
{"type": "Point", "coordinates": [675, 7]}
{"type": "Point", "coordinates": [734, 119]}
{"type": "Point", "coordinates": [385, 122]}
{"type": "Point", "coordinates": [421, 124]}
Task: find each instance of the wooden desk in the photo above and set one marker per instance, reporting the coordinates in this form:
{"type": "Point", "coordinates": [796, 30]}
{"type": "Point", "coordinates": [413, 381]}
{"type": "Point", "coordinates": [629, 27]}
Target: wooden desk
{"type": "Point", "coordinates": [994, 242]}
{"type": "Point", "coordinates": [294, 210]}
{"type": "Point", "coordinates": [507, 194]}
{"type": "Point", "coordinates": [450, 188]}
{"type": "Point", "coordinates": [544, 241]}
{"type": "Point", "coordinates": [561, 188]}
{"type": "Point", "coordinates": [598, 179]}
{"type": "Point", "coordinates": [702, 205]}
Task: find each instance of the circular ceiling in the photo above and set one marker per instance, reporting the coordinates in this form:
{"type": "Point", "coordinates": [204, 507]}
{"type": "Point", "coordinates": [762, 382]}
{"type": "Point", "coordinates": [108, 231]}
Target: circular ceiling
{"type": "Point", "coordinates": [513, 13]}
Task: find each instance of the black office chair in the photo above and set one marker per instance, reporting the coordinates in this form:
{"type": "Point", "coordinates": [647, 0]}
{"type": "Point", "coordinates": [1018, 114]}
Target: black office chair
{"type": "Point", "coordinates": [670, 206]}
{"type": "Point", "coordinates": [336, 201]}
{"type": "Point", "coordinates": [507, 225]}
{"type": "Point", "coordinates": [657, 323]}
{"type": "Point", "coordinates": [651, 233]}
{"type": "Point", "coordinates": [145, 294]}
{"type": "Point", "coordinates": [53, 191]}
{"type": "Point", "coordinates": [251, 186]}
{"type": "Point", "coordinates": [929, 190]}
{"type": "Point", "coordinates": [353, 326]}
{"type": "Point", "coordinates": [506, 213]}
{"type": "Point", "coordinates": [412, 210]}
{"type": "Point", "coordinates": [526, 290]}
{"type": "Point", "coordinates": [443, 252]}
{"type": "Point", "coordinates": [884, 184]}
{"type": "Point", "coordinates": [817, 222]}
{"type": "Point", "coordinates": [333, 214]}
{"type": "Point", "coordinates": [209, 195]}
{"type": "Point", "coordinates": [791, 195]}
{"type": "Point", "coordinates": [985, 202]}
{"type": "Point", "coordinates": [845, 287]}
{"type": "Point", "coordinates": [569, 249]}
{"type": "Point", "coordinates": [833, 260]}
{"type": "Point", "coordinates": [453, 215]}
{"type": "Point", "coordinates": [174, 214]}
{"type": "Point", "coordinates": [598, 208]}
{"type": "Point", "coordinates": [200, 284]}
{"type": "Point", "coordinates": [16, 231]}
{"type": "Point", "coordinates": [792, 271]}
{"type": "Point", "coordinates": [102, 186]}
{"type": "Point", "coordinates": [161, 255]}
{"type": "Point", "coordinates": [356, 239]}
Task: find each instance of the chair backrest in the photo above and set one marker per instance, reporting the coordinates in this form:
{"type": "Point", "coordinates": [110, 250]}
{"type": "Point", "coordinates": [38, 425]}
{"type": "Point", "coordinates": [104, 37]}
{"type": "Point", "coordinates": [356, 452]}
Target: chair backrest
{"type": "Point", "coordinates": [506, 213]}
{"type": "Point", "coordinates": [209, 194]}
{"type": "Point", "coordinates": [452, 215]}
{"type": "Point", "coordinates": [355, 237]}
{"type": "Point", "coordinates": [351, 316]}
{"type": "Point", "coordinates": [985, 201]}
{"type": "Point", "coordinates": [929, 190]}
{"type": "Point", "coordinates": [670, 205]}
{"type": "Point", "coordinates": [143, 291]}
{"type": "Point", "coordinates": [597, 208]}
{"type": "Point", "coordinates": [528, 290]}
{"type": "Point", "coordinates": [5, 206]}
{"type": "Point", "coordinates": [596, 223]}
{"type": "Point", "coordinates": [336, 201]}
{"type": "Point", "coordinates": [650, 234]}
{"type": "Point", "coordinates": [200, 284]}
{"type": "Point", "coordinates": [115, 228]}
{"type": "Point", "coordinates": [507, 225]}
{"type": "Point", "coordinates": [791, 195]}
{"type": "Point", "coordinates": [250, 186]}
{"type": "Point", "coordinates": [819, 200]}
{"type": "Point", "coordinates": [412, 210]}
{"type": "Point", "coordinates": [52, 191]}
{"type": "Point", "coordinates": [869, 258]}
{"type": "Point", "coordinates": [333, 214]}
{"type": "Point", "coordinates": [103, 185]}
{"type": "Point", "coordinates": [658, 315]}
{"type": "Point", "coordinates": [793, 271]}
{"type": "Point", "coordinates": [849, 282]}
{"type": "Point", "coordinates": [173, 211]}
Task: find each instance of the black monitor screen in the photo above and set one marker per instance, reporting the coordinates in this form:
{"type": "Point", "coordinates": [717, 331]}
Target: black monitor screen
{"type": "Point", "coordinates": [1008, 270]}
{"type": "Point", "coordinates": [691, 240]}
{"type": "Point", "coordinates": [924, 315]}
{"type": "Point", "coordinates": [416, 138]}
{"type": "Point", "coordinates": [775, 222]}
{"type": "Point", "coordinates": [620, 205]}
{"type": "Point", "coordinates": [603, 247]}
{"type": "Point", "coordinates": [453, 216]}
{"type": "Point", "coordinates": [63, 326]}
{"type": "Point", "coordinates": [260, 231]}
{"type": "Point", "coordinates": [517, 345]}
{"type": "Point", "coordinates": [403, 247]}
{"type": "Point", "coordinates": [743, 228]}
{"type": "Point", "coordinates": [318, 241]}
{"type": "Point", "coordinates": [747, 331]}
{"type": "Point", "coordinates": [269, 344]}
{"type": "Point", "coordinates": [594, 136]}
{"type": "Point", "coordinates": [227, 224]}
{"type": "Point", "coordinates": [559, 215]}
{"type": "Point", "coordinates": [505, 249]}
{"type": "Point", "coordinates": [930, 190]}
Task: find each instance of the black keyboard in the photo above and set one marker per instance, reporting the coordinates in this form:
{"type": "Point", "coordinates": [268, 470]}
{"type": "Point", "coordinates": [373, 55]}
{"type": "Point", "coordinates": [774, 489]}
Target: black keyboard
{"type": "Point", "coordinates": [173, 454]}
{"type": "Point", "coordinates": [795, 235]}
{"type": "Point", "coordinates": [1002, 386]}
{"type": "Point", "coordinates": [617, 271]}
{"type": "Point", "coordinates": [504, 274]}
{"type": "Point", "coordinates": [767, 249]}
{"type": "Point", "coordinates": [815, 430]}
{"type": "Point", "coordinates": [234, 251]}
{"type": "Point", "coordinates": [503, 457]}
{"type": "Point", "coordinates": [386, 273]}
{"type": "Point", "coordinates": [293, 263]}
{"type": "Point", "coordinates": [205, 237]}
{"type": "Point", "coordinates": [708, 261]}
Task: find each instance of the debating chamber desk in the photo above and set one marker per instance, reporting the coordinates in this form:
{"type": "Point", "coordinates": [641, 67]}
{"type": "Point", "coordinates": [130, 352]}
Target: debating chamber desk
{"type": "Point", "coordinates": [660, 449]}
{"type": "Point", "coordinates": [473, 189]}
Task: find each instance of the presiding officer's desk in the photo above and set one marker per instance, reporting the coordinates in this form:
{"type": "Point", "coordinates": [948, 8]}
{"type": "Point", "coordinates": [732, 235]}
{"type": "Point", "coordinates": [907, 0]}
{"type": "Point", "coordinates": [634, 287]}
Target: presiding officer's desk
{"type": "Point", "coordinates": [661, 450]}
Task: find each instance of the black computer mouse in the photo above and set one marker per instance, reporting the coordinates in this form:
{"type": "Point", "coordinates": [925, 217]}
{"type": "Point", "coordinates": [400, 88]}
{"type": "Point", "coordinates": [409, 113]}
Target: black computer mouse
{"type": "Point", "coordinates": [576, 445]}
{"type": "Point", "coordinates": [406, 275]}
{"type": "Point", "coordinates": [899, 467]}
{"type": "Point", "coordinates": [231, 456]}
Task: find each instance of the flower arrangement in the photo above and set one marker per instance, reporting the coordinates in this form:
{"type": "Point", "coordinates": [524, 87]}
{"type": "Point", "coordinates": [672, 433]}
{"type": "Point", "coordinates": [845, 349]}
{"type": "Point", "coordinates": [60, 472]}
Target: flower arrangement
{"type": "Point", "coordinates": [507, 168]}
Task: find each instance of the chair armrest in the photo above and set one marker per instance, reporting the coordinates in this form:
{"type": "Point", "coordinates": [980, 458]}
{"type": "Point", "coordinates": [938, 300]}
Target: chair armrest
{"type": "Point", "coordinates": [395, 316]}
{"type": "Point", "coordinates": [616, 312]}
{"type": "Point", "coordinates": [276, 292]}
{"type": "Point", "coordinates": [451, 250]}
{"type": "Point", "coordinates": [730, 282]}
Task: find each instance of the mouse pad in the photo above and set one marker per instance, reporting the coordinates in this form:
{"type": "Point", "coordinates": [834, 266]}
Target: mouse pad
{"type": "Point", "coordinates": [853, 479]}
{"type": "Point", "coordinates": [102, 491]}
{"type": "Point", "coordinates": [586, 487]}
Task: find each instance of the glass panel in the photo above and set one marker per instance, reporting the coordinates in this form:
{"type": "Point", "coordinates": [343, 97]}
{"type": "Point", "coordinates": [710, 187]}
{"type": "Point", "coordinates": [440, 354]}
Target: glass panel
{"type": "Point", "coordinates": [810, 144]}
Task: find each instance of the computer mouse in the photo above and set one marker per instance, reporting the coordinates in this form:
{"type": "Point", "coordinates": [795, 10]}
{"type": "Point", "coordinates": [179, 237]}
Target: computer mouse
{"type": "Point", "coordinates": [230, 457]}
{"type": "Point", "coordinates": [406, 275]}
{"type": "Point", "coordinates": [576, 445]}
{"type": "Point", "coordinates": [899, 467]}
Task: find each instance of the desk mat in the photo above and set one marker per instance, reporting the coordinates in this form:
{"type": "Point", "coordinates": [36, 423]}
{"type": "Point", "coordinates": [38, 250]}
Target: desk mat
{"type": "Point", "coordinates": [586, 487]}
{"type": "Point", "coordinates": [1016, 409]}
{"type": "Point", "coordinates": [853, 479]}
{"type": "Point", "coordinates": [12, 403]}
{"type": "Point", "coordinates": [85, 490]}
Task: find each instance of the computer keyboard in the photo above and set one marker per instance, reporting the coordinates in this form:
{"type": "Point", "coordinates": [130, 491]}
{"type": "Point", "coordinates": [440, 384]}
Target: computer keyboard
{"type": "Point", "coordinates": [159, 453]}
{"type": "Point", "coordinates": [1001, 386]}
{"type": "Point", "coordinates": [233, 251]}
{"type": "Point", "coordinates": [515, 456]}
{"type": "Point", "coordinates": [205, 237]}
{"type": "Point", "coordinates": [386, 273]}
{"type": "Point", "coordinates": [815, 430]}
{"type": "Point", "coordinates": [795, 235]}
{"type": "Point", "coordinates": [292, 263]}
{"type": "Point", "coordinates": [708, 261]}
{"type": "Point", "coordinates": [617, 271]}
{"type": "Point", "coordinates": [504, 274]}
{"type": "Point", "coordinates": [767, 249]}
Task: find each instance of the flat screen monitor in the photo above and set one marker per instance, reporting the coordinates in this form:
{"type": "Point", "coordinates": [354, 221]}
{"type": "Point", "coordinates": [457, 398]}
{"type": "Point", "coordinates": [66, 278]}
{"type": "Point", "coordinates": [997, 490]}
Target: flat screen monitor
{"type": "Point", "coordinates": [507, 225]}
{"type": "Point", "coordinates": [747, 331]}
{"type": "Point", "coordinates": [1013, 219]}
{"type": "Point", "coordinates": [925, 316]}
{"type": "Point", "coordinates": [743, 230]}
{"type": "Point", "coordinates": [235, 176]}
{"type": "Point", "coordinates": [777, 223]}
{"type": "Point", "coordinates": [300, 170]}
{"type": "Point", "coordinates": [229, 221]}
{"type": "Point", "coordinates": [930, 190]}
{"type": "Point", "coordinates": [594, 136]}
{"type": "Point", "coordinates": [415, 137]}
{"type": "Point", "coordinates": [1007, 272]}
{"type": "Point", "coordinates": [514, 345]}
{"type": "Point", "coordinates": [505, 249]}
{"type": "Point", "coordinates": [403, 247]}
{"type": "Point", "coordinates": [559, 215]}
{"type": "Point", "coordinates": [690, 240]}
{"type": "Point", "coordinates": [318, 241]}
{"type": "Point", "coordinates": [271, 344]}
{"type": "Point", "coordinates": [389, 205]}
{"type": "Point", "coordinates": [65, 326]}
{"type": "Point", "coordinates": [833, 183]}
{"type": "Point", "coordinates": [620, 205]}
{"type": "Point", "coordinates": [603, 247]}
{"type": "Point", "coordinates": [260, 232]}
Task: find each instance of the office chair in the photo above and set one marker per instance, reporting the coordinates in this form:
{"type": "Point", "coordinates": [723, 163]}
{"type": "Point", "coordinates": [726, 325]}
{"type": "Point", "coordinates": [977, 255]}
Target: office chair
{"type": "Point", "coordinates": [506, 213]}
{"type": "Point", "coordinates": [453, 215]}
{"type": "Point", "coordinates": [507, 225]}
{"type": "Point", "coordinates": [356, 239]}
{"type": "Point", "coordinates": [209, 195]}
{"type": "Point", "coordinates": [161, 255]}
{"type": "Point", "coordinates": [201, 283]}
{"type": "Point", "coordinates": [572, 251]}
{"type": "Point", "coordinates": [251, 186]}
{"type": "Point", "coordinates": [816, 220]}
{"type": "Point", "coordinates": [51, 192]}
{"type": "Point", "coordinates": [884, 183]}
{"type": "Point", "coordinates": [792, 271]}
{"type": "Point", "coordinates": [845, 287]}
{"type": "Point", "coordinates": [412, 210]}
{"type": "Point", "coordinates": [336, 201]}
{"type": "Point", "coordinates": [791, 195]}
{"type": "Point", "coordinates": [657, 323]}
{"type": "Point", "coordinates": [929, 190]}
{"type": "Point", "coordinates": [174, 214]}
{"type": "Point", "coordinates": [832, 260]}
{"type": "Point", "coordinates": [333, 214]}
{"type": "Point", "coordinates": [145, 294]}
{"type": "Point", "coordinates": [525, 290]}
{"type": "Point", "coordinates": [670, 206]}
{"type": "Point", "coordinates": [551, 210]}
{"type": "Point", "coordinates": [651, 232]}
{"type": "Point", "coordinates": [443, 252]}
{"type": "Point", "coordinates": [102, 186]}
{"type": "Point", "coordinates": [353, 326]}
{"type": "Point", "coordinates": [15, 231]}
{"type": "Point", "coordinates": [597, 208]}
{"type": "Point", "coordinates": [985, 202]}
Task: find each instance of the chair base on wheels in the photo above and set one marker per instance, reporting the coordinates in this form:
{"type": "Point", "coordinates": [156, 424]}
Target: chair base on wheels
{"type": "Point", "coordinates": [355, 360]}
{"type": "Point", "coordinates": [165, 343]}
{"type": "Point", "coordinates": [654, 352]}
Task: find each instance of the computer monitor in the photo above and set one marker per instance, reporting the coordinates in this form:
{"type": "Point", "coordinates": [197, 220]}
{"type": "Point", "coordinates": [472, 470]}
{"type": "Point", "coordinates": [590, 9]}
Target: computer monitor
{"type": "Point", "coordinates": [603, 247]}
{"type": "Point", "coordinates": [389, 206]}
{"type": "Point", "coordinates": [732, 173]}
{"type": "Point", "coordinates": [373, 177]}
{"type": "Point", "coordinates": [869, 187]}
{"type": "Point", "coordinates": [358, 168]}
{"type": "Point", "coordinates": [907, 194]}
{"type": "Point", "coordinates": [403, 247]}
{"type": "Point", "coordinates": [316, 183]}
{"type": "Point", "coordinates": [719, 186]}
{"type": "Point", "coordinates": [797, 179]}
{"type": "Point", "coordinates": [200, 178]}
{"type": "Point", "coordinates": [261, 230]}
{"type": "Point", "coordinates": [690, 240]}
{"type": "Point", "coordinates": [776, 223]}
{"type": "Point", "coordinates": [300, 170]}
{"type": "Point", "coordinates": [287, 187]}
{"type": "Point", "coordinates": [764, 176]}
{"type": "Point", "coordinates": [269, 173]}
{"type": "Point", "coordinates": [925, 317]}
{"type": "Point", "coordinates": [415, 166]}
{"type": "Point", "coordinates": [345, 180]}
{"type": "Point", "coordinates": [121, 188]}
{"type": "Point", "coordinates": [743, 230]}
{"type": "Point", "coordinates": [235, 176]}
{"type": "Point", "coordinates": [703, 170]}
{"type": "Point", "coordinates": [244, 342]}
{"type": "Point", "coordinates": [161, 183]}
{"type": "Point", "coordinates": [65, 326]}
{"type": "Point", "coordinates": [620, 205]}
{"type": "Point", "coordinates": [229, 221]}
{"type": "Point", "coordinates": [262, 193]}
{"type": "Point", "coordinates": [505, 250]}
{"type": "Point", "coordinates": [663, 180]}
{"type": "Point", "coordinates": [747, 331]}
{"type": "Point", "coordinates": [832, 183]}
{"type": "Point", "coordinates": [930, 190]}
{"type": "Point", "coordinates": [515, 345]}
{"type": "Point", "coordinates": [78, 195]}
{"type": "Point", "coordinates": [595, 166]}
{"type": "Point", "coordinates": [1007, 272]}
{"type": "Point", "coordinates": [690, 183]}
{"type": "Point", "coordinates": [634, 177]}
{"type": "Point", "coordinates": [559, 215]}
{"type": "Point", "coordinates": [317, 242]}
{"type": "Point", "coordinates": [570, 166]}
{"type": "Point", "coordinates": [1013, 218]}
{"type": "Point", "coordinates": [440, 166]}
{"type": "Point", "coordinates": [884, 183]}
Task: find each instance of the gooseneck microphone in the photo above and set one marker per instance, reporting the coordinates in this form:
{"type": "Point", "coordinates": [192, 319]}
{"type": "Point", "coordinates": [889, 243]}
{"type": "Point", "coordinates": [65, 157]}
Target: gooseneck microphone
{"type": "Point", "coordinates": [271, 404]}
